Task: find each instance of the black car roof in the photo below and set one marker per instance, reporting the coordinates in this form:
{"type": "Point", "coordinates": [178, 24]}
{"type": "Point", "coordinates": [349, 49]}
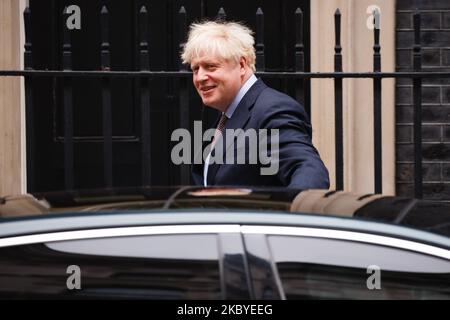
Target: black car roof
{"type": "Point", "coordinates": [430, 216]}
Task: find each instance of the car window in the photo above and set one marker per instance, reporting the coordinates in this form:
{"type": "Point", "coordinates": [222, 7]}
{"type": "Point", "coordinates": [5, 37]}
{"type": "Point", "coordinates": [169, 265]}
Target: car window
{"type": "Point", "coordinates": [339, 269]}
{"type": "Point", "coordinates": [144, 267]}
{"type": "Point", "coordinates": [190, 247]}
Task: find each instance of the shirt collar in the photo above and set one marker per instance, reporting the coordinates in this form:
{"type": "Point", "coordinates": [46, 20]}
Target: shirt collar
{"type": "Point", "coordinates": [247, 85]}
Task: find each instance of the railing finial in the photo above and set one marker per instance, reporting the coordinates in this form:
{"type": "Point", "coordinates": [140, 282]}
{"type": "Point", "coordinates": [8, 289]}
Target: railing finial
{"type": "Point", "coordinates": [221, 15]}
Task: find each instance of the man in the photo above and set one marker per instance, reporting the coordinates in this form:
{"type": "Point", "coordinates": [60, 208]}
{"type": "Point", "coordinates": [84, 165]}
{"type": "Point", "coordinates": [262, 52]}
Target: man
{"type": "Point", "coordinates": [222, 59]}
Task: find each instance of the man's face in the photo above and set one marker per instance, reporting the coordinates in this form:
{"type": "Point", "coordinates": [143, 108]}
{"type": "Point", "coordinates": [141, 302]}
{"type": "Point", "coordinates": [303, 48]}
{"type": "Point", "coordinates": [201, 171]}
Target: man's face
{"type": "Point", "coordinates": [217, 80]}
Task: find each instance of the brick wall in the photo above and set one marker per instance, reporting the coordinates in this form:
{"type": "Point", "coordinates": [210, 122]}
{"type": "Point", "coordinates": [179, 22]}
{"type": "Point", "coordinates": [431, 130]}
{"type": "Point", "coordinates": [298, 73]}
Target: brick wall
{"type": "Point", "coordinates": [435, 40]}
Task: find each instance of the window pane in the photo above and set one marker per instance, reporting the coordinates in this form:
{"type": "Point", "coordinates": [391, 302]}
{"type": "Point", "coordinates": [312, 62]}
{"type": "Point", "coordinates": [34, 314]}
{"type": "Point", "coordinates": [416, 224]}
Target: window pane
{"type": "Point", "coordinates": [153, 267]}
{"type": "Point", "coordinates": [335, 269]}
{"type": "Point", "coordinates": [157, 247]}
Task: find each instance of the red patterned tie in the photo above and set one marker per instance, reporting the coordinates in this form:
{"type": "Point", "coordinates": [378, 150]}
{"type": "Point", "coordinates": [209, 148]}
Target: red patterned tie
{"type": "Point", "coordinates": [219, 128]}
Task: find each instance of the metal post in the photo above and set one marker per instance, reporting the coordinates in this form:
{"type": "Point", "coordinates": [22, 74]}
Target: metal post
{"type": "Point", "coordinates": [184, 94]}
{"type": "Point", "coordinates": [30, 136]}
{"type": "Point", "coordinates": [260, 59]}
{"type": "Point", "coordinates": [68, 107]}
{"type": "Point", "coordinates": [339, 149]}
{"type": "Point", "coordinates": [106, 100]}
{"type": "Point", "coordinates": [144, 59]}
{"type": "Point", "coordinates": [299, 56]}
{"type": "Point", "coordinates": [417, 96]}
{"type": "Point", "coordinates": [377, 106]}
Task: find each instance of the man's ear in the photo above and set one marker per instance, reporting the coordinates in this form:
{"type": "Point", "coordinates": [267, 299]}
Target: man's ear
{"type": "Point", "coordinates": [243, 64]}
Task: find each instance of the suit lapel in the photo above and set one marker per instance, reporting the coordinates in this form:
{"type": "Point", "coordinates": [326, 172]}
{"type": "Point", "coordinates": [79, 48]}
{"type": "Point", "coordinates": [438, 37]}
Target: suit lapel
{"type": "Point", "coordinates": [239, 120]}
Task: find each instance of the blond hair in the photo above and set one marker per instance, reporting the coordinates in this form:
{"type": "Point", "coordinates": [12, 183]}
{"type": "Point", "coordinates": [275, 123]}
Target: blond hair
{"type": "Point", "coordinates": [227, 40]}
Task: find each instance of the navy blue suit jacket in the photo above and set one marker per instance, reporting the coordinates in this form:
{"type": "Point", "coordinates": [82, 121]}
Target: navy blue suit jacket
{"type": "Point", "coordinates": [299, 164]}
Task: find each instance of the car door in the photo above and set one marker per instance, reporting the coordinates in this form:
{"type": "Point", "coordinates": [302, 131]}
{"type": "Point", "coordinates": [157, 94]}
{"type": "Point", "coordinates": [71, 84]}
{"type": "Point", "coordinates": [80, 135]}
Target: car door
{"type": "Point", "coordinates": [147, 262]}
{"type": "Point", "coordinates": [318, 263]}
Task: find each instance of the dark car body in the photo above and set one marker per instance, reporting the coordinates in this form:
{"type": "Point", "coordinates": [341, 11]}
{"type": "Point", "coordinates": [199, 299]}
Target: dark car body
{"type": "Point", "coordinates": [223, 243]}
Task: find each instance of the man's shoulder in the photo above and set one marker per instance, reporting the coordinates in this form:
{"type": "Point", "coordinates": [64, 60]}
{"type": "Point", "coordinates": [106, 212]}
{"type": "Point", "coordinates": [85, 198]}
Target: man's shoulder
{"type": "Point", "coordinates": [273, 105]}
{"type": "Point", "coordinates": [273, 94]}
{"type": "Point", "coordinates": [270, 98]}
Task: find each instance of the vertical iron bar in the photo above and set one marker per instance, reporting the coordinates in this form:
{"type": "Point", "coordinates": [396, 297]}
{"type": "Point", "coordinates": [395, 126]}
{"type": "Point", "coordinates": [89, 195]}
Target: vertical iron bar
{"type": "Point", "coordinates": [54, 38]}
{"type": "Point", "coordinates": [417, 96]}
{"type": "Point", "coordinates": [377, 105]}
{"type": "Point", "coordinates": [339, 149]}
{"type": "Point", "coordinates": [30, 136]}
{"type": "Point", "coordinates": [182, 17]}
{"type": "Point", "coordinates": [260, 59]}
{"type": "Point", "coordinates": [299, 56]}
{"type": "Point", "coordinates": [184, 93]}
{"type": "Point", "coordinates": [284, 49]}
{"type": "Point", "coordinates": [54, 52]}
{"type": "Point", "coordinates": [106, 99]}
{"type": "Point", "coordinates": [68, 107]}
{"type": "Point", "coordinates": [144, 59]}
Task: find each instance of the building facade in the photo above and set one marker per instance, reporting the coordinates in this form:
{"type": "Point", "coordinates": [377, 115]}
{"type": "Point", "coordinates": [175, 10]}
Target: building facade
{"type": "Point", "coordinates": [357, 54]}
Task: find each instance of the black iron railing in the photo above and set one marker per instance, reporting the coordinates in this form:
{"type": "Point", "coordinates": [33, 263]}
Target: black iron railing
{"type": "Point", "coordinates": [183, 75]}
